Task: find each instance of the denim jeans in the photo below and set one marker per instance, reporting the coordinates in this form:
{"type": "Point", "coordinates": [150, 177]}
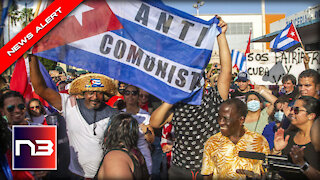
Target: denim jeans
{"type": "Point", "coordinates": [159, 161]}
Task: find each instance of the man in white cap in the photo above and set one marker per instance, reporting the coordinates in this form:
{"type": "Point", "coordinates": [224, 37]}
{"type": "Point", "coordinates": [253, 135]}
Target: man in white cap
{"type": "Point", "coordinates": [86, 119]}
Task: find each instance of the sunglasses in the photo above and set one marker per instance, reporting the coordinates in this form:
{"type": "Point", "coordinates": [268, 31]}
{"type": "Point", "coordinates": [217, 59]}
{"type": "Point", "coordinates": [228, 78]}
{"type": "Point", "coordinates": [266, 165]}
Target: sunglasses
{"type": "Point", "coordinates": [133, 93]}
{"type": "Point", "coordinates": [34, 107]}
{"type": "Point", "coordinates": [296, 110]}
{"type": "Point", "coordinates": [10, 108]}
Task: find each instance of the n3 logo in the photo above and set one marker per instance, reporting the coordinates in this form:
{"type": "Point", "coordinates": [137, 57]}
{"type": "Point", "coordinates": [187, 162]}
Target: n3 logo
{"type": "Point", "coordinates": [48, 147]}
{"type": "Point", "coordinates": [34, 148]}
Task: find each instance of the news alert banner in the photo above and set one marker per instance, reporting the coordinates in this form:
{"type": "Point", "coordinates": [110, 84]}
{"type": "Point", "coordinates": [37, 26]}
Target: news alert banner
{"type": "Point", "coordinates": [34, 148]}
{"type": "Point", "coordinates": [34, 31]}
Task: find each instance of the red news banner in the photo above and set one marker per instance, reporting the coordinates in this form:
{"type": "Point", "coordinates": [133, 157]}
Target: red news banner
{"type": "Point", "coordinates": [34, 31]}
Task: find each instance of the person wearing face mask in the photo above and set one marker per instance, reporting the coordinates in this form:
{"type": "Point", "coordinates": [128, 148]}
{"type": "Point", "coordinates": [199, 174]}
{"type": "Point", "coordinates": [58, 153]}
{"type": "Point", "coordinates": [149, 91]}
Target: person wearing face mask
{"type": "Point", "coordinates": [257, 117]}
{"type": "Point", "coordinates": [275, 119]}
{"type": "Point", "coordinates": [297, 138]}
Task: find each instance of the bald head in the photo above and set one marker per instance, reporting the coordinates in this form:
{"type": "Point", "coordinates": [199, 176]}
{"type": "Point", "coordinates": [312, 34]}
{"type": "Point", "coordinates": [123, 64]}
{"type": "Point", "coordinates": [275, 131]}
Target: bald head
{"type": "Point", "coordinates": [315, 134]}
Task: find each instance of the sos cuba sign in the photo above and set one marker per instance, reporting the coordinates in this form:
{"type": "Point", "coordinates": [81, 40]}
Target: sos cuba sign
{"type": "Point", "coordinates": [34, 148]}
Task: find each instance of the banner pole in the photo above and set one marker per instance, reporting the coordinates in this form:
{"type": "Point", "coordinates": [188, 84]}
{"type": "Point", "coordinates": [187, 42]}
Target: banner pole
{"type": "Point", "coordinates": [306, 57]}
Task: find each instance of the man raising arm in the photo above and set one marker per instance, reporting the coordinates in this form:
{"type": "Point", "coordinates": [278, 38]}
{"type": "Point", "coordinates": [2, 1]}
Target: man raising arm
{"type": "Point", "coordinates": [86, 119]}
{"type": "Point", "coordinates": [194, 124]}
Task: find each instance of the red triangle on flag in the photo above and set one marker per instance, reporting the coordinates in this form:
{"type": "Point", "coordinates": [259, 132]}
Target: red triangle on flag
{"type": "Point", "coordinates": [292, 33]}
{"type": "Point", "coordinates": [97, 20]}
{"type": "Point", "coordinates": [235, 66]}
{"type": "Point", "coordinates": [19, 80]}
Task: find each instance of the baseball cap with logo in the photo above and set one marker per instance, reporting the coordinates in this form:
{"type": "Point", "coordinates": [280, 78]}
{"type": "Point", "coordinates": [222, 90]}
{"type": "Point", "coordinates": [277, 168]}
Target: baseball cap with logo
{"type": "Point", "coordinates": [243, 76]}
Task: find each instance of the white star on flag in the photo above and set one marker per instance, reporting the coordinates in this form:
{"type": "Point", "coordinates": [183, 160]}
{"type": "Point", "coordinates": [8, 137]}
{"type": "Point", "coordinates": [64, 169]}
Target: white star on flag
{"type": "Point", "coordinates": [77, 13]}
{"type": "Point", "coordinates": [287, 38]}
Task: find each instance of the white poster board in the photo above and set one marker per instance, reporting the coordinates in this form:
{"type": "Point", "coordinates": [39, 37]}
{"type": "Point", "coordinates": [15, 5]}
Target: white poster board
{"type": "Point", "coordinates": [269, 68]}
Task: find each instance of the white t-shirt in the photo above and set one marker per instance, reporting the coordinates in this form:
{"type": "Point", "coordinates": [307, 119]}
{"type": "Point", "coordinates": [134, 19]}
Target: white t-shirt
{"type": "Point", "coordinates": [143, 117]}
{"type": "Point", "coordinates": [85, 148]}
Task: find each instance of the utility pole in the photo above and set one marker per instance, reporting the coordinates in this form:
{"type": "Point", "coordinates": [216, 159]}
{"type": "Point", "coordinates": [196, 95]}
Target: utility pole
{"type": "Point", "coordinates": [263, 11]}
{"type": "Point", "coordinates": [197, 5]}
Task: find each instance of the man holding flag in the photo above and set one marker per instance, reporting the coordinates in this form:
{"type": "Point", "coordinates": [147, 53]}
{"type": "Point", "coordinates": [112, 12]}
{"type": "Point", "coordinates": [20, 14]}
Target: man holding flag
{"type": "Point", "coordinates": [86, 119]}
{"type": "Point", "coordinates": [194, 124]}
{"type": "Point", "coordinates": [129, 46]}
{"type": "Point", "coordinates": [141, 39]}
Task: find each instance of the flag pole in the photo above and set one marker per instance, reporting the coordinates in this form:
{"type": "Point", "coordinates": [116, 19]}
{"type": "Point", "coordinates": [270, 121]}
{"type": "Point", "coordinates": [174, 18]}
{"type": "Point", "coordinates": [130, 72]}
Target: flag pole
{"type": "Point", "coordinates": [306, 57]}
{"type": "Point", "coordinates": [37, 10]}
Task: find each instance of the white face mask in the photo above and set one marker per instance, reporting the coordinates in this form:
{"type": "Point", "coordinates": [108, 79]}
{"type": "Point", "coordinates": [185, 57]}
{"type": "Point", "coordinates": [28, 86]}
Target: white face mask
{"type": "Point", "coordinates": [279, 115]}
{"type": "Point", "coordinates": [253, 105]}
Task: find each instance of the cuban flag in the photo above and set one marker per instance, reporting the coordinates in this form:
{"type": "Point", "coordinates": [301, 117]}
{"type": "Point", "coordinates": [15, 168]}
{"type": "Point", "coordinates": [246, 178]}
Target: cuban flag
{"type": "Point", "coordinates": [286, 39]}
{"type": "Point", "coordinates": [20, 81]}
{"type": "Point", "coordinates": [239, 60]}
{"type": "Point", "coordinates": [96, 83]}
{"type": "Point", "coordinates": [144, 43]}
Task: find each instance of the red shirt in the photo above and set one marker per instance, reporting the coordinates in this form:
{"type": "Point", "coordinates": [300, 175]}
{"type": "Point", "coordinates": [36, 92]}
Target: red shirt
{"type": "Point", "coordinates": [114, 99]}
{"type": "Point", "coordinates": [145, 107]}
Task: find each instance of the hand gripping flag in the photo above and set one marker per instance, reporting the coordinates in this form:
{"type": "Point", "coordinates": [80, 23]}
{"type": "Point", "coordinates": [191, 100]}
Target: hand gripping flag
{"type": "Point", "coordinates": [144, 43]}
{"type": "Point", "coordinates": [286, 39]}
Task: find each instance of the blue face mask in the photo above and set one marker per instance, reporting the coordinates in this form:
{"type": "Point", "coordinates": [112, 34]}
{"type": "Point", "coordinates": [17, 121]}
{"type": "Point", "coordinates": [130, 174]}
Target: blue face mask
{"type": "Point", "coordinates": [253, 105]}
{"type": "Point", "coordinates": [279, 115]}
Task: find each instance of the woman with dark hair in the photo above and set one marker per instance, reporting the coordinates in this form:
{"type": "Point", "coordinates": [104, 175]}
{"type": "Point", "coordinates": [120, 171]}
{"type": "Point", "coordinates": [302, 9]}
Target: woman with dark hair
{"type": "Point", "coordinates": [36, 111]}
{"type": "Point", "coordinates": [146, 133]}
{"type": "Point", "coordinates": [302, 115]}
{"type": "Point", "coordinates": [257, 117]}
{"type": "Point", "coordinates": [122, 159]}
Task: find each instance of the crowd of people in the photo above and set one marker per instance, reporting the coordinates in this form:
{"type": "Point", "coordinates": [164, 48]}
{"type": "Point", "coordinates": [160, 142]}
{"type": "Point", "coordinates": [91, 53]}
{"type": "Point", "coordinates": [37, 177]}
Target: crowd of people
{"type": "Point", "coordinates": [112, 130]}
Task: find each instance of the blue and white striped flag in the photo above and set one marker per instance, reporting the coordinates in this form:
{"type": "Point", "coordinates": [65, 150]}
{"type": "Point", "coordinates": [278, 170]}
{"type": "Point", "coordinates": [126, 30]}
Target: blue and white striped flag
{"type": "Point", "coordinates": [287, 38]}
{"type": "Point", "coordinates": [5, 7]}
{"type": "Point", "coordinates": [144, 43]}
{"type": "Point", "coordinates": [239, 60]}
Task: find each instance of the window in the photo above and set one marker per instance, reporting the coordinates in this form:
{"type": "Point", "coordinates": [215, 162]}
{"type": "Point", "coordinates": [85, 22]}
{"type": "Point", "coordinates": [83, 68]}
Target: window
{"type": "Point", "coordinates": [239, 28]}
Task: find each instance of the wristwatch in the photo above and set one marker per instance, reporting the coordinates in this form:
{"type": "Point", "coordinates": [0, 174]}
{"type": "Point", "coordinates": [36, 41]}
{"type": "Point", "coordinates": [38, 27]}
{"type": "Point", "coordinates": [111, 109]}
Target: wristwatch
{"type": "Point", "coordinates": [304, 167]}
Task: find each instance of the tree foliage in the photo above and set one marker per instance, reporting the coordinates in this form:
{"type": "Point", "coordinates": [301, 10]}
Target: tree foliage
{"type": "Point", "coordinates": [48, 64]}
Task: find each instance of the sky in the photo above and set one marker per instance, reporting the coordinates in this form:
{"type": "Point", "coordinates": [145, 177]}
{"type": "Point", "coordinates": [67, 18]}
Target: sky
{"type": "Point", "coordinates": [288, 7]}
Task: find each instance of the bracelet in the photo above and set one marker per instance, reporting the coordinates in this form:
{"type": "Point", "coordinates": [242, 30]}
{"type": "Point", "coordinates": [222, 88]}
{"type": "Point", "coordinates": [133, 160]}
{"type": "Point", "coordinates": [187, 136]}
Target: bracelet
{"type": "Point", "coordinates": [304, 167]}
{"type": "Point", "coordinates": [276, 151]}
{"type": "Point", "coordinates": [261, 91]}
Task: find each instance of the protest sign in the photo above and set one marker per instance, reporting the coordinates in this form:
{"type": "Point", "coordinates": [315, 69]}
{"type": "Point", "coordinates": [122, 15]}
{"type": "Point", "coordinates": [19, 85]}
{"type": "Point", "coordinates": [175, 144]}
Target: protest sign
{"type": "Point", "coordinates": [268, 68]}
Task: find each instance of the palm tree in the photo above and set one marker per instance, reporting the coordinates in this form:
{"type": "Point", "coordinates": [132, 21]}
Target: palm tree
{"type": "Point", "coordinates": [26, 15]}
{"type": "Point", "coordinates": [13, 16]}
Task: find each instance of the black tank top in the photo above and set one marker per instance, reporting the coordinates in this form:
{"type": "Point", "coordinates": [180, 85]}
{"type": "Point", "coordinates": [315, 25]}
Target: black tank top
{"type": "Point", "coordinates": [310, 155]}
{"type": "Point", "coordinates": [139, 164]}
